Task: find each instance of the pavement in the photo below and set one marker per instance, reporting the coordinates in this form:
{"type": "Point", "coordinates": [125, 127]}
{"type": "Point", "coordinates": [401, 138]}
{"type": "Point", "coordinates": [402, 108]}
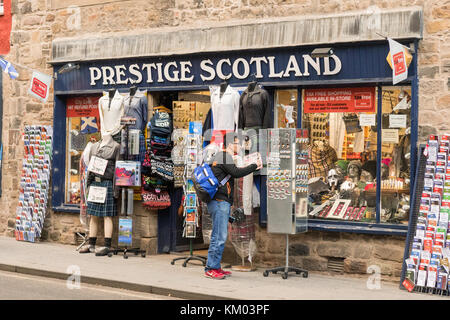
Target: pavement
{"type": "Point", "coordinates": [17, 286]}
{"type": "Point", "coordinates": [155, 275]}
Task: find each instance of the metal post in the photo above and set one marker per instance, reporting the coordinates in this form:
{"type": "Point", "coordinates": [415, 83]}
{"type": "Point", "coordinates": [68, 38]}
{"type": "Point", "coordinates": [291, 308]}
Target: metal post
{"type": "Point", "coordinates": [287, 252]}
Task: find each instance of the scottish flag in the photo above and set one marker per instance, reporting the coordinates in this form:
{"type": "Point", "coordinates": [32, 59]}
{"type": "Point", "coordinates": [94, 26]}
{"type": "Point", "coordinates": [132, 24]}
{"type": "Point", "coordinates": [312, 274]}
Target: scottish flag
{"type": "Point", "coordinates": [88, 125]}
{"type": "Point", "coordinates": [8, 68]}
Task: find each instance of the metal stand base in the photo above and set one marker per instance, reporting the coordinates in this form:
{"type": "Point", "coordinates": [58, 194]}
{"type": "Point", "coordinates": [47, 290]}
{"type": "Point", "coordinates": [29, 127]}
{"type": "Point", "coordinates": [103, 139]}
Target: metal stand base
{"type": "Point", "coordinates": [286, 269]}
{"type": "Point", "coordinates": [85, 240]}
{"type": "Point", "coordinates": [190, 257]}
{"type": "Point", "coordinates": [136, 251]}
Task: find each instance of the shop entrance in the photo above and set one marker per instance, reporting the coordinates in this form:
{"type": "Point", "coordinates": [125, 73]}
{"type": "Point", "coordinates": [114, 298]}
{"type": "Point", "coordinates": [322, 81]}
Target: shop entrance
{"type": "Point", "coordinates": [193, 106]}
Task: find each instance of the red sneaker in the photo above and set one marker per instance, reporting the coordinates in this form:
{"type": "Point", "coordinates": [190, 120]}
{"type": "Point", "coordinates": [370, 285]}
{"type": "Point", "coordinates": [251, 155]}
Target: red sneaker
{"type": "Point", "coordinates": [214, 274]}
{"type": "Point", "coordinates": [225, 273]}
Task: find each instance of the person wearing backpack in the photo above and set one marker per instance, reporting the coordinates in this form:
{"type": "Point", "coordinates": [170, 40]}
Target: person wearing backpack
{"type": "Point", "coordinates": [219, 207]}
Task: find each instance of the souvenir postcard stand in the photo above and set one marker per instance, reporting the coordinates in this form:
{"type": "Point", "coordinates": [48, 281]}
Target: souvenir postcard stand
{"type": "Point", "coordinates": [126, 222]}
{"type": "Point", "coordinates": [427, 250]}
{"type": "Point", "coordinates": [287, 188]}
{"type": "Point", "coordinates": [34, 183]}
{"type": "Point", "coordinates": [193, 156]}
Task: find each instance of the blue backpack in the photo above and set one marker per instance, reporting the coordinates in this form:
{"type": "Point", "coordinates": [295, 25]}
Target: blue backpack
{"type": "Point", "coordinates": [205, 183]}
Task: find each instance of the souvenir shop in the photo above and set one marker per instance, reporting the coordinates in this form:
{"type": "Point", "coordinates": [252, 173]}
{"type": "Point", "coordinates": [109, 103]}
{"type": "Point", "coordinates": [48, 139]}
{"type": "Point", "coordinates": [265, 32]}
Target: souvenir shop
{"type": "Point", "coordinates": [362, 131]}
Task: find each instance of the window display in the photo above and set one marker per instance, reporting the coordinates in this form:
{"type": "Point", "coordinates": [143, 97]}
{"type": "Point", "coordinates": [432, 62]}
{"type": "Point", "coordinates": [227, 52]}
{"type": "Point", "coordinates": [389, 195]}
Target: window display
{"type": "Point", "coordinates": [83, 126]}
{"type": "Point", "coordinates": [343, 153]}
{"type": "Point", "coordinates": [286, 108]}
{"type": "Point", "coordinates": [396, 148]}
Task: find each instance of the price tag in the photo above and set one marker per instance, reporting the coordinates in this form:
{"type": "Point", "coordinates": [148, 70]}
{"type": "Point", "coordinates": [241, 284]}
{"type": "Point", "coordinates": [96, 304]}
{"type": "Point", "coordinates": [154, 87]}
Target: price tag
{"type": "Point", "coordinates": [97, 165]}
{"type": "Point", "coordinates": [97, 194]}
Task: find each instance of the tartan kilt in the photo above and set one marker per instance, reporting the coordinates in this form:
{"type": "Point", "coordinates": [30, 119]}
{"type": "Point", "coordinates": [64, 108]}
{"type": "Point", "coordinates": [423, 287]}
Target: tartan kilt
{"type": "Point", "coordinates": [107, 209]}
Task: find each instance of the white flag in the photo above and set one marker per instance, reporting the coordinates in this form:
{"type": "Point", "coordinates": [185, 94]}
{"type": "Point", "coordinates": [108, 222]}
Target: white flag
{"type": "Point", "coordinates": [398, 61]}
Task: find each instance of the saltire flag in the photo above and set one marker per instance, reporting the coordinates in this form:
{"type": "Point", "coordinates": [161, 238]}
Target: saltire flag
{"type": "Point", "coordinates": [88, 125]}
{"type": "Point", "coordinates": [8, 68]}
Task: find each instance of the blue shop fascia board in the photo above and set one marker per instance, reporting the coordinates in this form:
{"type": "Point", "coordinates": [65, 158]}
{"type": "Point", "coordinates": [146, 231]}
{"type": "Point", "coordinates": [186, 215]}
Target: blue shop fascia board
{"type": "Point", "coordinates": [361, 64]}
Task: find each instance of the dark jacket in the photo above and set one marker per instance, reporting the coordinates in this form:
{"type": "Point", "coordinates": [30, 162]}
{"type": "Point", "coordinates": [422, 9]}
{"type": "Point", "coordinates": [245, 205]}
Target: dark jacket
{"type": "Point", "coordinates": [254, 109]}
{"type": "Point", "coordinates": [222, 166]}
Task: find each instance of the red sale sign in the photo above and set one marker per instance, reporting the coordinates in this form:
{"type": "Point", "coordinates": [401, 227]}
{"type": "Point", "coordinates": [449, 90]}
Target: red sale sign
{"type": "Point", "coordinates": [39, 88]}
{"type": "Point", "coordinates": [399, 63]}
{"type": "Point", "coordinates": [339, 100]}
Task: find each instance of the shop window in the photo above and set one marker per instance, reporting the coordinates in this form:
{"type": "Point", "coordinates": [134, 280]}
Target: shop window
{"type": "Point", "coordinates": [343, 153]}
{"type": "Point", "coordinates": [286, 108]}
{"type": "Point", "coordinates": [395, 154]}
{"type": "Point", "coordinates": [82, 126]}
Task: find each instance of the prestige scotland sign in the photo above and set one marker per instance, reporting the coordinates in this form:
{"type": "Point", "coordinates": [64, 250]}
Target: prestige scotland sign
{"type": "Point", "coordinates": [262, 67]}
{"type": "Point", "coordinates": [356, 63]}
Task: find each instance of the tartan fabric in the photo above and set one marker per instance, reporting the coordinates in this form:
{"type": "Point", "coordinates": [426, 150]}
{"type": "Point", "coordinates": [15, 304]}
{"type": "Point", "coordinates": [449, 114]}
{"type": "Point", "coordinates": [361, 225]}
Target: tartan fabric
{"type": "Point", "coordinates": [107, 209]}
{"type": "Point", "coordinates": [321, 161]}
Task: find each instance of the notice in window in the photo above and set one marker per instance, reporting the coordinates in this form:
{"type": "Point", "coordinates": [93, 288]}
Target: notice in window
{"type": "Point", "coordinates": [366, 120]}
{"type": "Point", "coordinates": [339, 100]}
{"type": "Point", "coordinates": [389, 135]}
{"type": "Point", "coordinates": [397, 121]}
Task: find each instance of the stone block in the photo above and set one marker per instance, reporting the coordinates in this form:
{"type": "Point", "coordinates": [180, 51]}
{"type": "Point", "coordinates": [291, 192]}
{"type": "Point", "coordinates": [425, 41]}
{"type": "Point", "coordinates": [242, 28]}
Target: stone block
{"type": "Point", "coordinates": [150, 245]}
{"type": "Point", "coordinates": [11, 223]}
{"type": "Point", "coordinates": [299, 249]}
{"type": "Point", "coordinates": [55, 235]}
{"type": "Point", "coordinates": [146, 226]}
{"type": "Point", "coordinates": [315, 264]}
{"type": "Point", "coordinates": [276, 244]}
{"type": "Point", "coordinates": [337, 250]}
{"type": "Point", "coordinates": [33, 107]}
{"type": "Point", "coordinates": [435, 26]}
{"type": "Point", "coordinates": [31, 20]}
{"type": "Point", "coordinates": [355, 266]}
{"type": "Point", "coordinates": [362, 252]}
{"type": "Point", "coordinates": [390, 253]}
{"type": "Point", "coordinates": [331, 236]}
{"type": "Point", "coordinates": [428, 72]}
{"type": "Point", "coordinates": [26, 8]}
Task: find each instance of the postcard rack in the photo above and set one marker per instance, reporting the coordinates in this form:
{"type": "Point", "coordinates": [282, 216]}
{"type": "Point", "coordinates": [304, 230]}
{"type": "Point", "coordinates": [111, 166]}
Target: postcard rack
{"type": "Point", "coordinates": [409, 278]}
{"type": "Point", "coordinates": [191, 203]}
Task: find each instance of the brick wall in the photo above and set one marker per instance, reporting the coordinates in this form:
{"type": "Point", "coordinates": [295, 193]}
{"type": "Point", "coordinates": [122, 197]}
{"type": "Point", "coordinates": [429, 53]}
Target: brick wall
{"type": "Point", "coordinates": [35, 23]}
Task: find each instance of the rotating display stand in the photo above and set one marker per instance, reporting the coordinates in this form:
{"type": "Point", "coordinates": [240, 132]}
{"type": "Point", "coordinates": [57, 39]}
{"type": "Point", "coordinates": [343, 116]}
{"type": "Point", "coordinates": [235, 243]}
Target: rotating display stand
{"type": "Point", "coordinates": [125, 249]}
{"type": "Point", "coordinates": [287, 192]}
{"type": "Point", "coordinates": [191, 203]}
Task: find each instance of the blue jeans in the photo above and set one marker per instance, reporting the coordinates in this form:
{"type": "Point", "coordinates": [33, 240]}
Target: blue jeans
{"type": "Point", "coordinates": [220, 213]}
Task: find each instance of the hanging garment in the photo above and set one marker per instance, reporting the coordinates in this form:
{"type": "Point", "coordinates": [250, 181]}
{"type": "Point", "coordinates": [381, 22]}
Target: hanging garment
{"type": "Point", "coordinates": [111, 111]}
{"type": "Point", "coordinates": [84, 162]}
{"type": "Point", "coordinates": [254, 109]}
{"type": "Point", "coordinates": [337, 131]}
{"type": "Point", "coordinates": [225, 109]}
{"type": "Point", "coordinates": [137, 107]}
{"type": "Point", "coordinates": [358, 143]}
{"type": "Point", "coordinates": [321, 160]}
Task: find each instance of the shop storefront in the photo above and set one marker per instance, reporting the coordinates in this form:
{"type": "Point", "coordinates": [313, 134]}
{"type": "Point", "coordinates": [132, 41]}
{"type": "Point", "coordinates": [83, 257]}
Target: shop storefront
{"type": "Point", "coordinates": [362, 128]}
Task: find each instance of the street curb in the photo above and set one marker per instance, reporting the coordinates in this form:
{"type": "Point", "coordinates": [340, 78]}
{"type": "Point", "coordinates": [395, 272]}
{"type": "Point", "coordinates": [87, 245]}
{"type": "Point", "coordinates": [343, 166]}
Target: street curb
{"type": "Point", "coordinates": [114, 284]}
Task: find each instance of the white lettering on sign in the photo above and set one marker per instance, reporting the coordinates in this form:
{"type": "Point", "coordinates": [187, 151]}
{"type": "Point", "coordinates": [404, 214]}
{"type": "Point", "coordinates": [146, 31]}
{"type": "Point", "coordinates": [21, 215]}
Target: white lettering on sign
{"type": "Point", "coordinates": [239, 68]}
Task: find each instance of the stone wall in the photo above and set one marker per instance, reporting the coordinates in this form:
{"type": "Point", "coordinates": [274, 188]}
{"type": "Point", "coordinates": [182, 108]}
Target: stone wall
{"type": "Point", "coordinates": [37, 22]}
